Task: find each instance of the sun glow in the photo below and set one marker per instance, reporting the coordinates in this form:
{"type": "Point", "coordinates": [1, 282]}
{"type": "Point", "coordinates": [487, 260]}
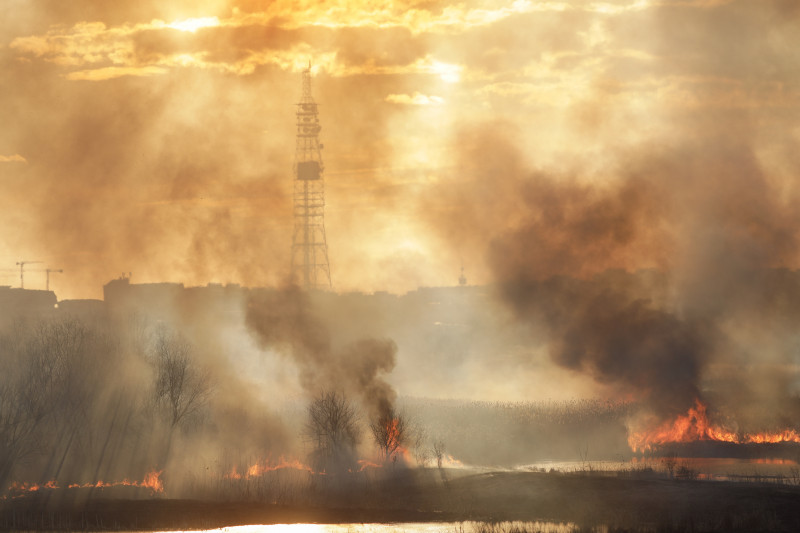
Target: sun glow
{"type": "Point", "coordinates": [448, 73]}
{"type": "Point", "coordinates": [194, 24]}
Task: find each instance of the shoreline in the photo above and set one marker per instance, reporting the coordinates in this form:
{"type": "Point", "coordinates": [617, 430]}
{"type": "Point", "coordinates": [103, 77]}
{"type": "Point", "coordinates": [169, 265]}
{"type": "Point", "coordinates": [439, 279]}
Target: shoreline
{"type": "Point", "coordinates": [626, 502]}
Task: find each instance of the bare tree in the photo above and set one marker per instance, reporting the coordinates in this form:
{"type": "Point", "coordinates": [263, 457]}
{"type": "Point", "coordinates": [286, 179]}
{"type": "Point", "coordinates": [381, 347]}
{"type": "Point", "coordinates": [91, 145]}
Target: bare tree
{"type": "Point", "coordinates": [182, 389]}
{"type": "Point", "coordinates": [332, 427]}
{"type": "Point", "coordinates": [390, 431]}
{"type": "Point", "coordinates": [419, 438]}
{"type": "Point", "coordinates": [38, 398]}
{"type": "Point", "coordinates": [19, 422]}
{"type": "Point", "coordinates": [438, 450]}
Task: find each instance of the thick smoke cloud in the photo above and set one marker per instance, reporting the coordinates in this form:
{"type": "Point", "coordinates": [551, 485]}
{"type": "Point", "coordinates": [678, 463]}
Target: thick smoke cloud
{"type": "Point", "coordinates": [146, 140]}
{"type": "Point", "coordinates": [526, 142]}
{"type": "Point", "coordinates": [285, 320]}
{"type": "Point", "coordinates": [700, 228]}
{"type": "Point", "coordinates": [646, 353]}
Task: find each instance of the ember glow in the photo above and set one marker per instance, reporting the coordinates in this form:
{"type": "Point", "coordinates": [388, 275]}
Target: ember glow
{"type": "Point", "coordinates": [363, 464]}
{"type": "Point", "coordinates": [22, 487]}
{"type": "Point", "coordinates": [152, 481]}
{"type": "Point", "coordinates": [392, 441]}
{"type": "Point", "coordinates": [261, 468]}
{"type": "Point", "coordinates": [694, 426]}
{"type": "Point", "coordinates": [393, 436]}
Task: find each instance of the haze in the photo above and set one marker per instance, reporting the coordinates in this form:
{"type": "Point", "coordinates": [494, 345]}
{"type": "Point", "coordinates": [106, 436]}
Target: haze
{"type": "Point", "coordinates": [622, 175]}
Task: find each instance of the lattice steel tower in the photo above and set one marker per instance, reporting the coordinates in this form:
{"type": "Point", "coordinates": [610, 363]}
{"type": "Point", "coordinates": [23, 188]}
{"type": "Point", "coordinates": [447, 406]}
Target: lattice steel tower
{"type": "Point", "coordinates": [310, 268]}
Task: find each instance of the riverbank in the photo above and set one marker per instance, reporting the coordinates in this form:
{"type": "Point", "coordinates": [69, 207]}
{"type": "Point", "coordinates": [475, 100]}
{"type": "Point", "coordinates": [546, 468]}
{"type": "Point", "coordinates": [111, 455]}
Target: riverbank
{"type": "Point", "coordinates": [625, 501]}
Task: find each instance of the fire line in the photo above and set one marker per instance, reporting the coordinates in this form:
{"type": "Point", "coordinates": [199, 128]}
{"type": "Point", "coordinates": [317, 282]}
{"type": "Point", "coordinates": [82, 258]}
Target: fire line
{"type": "Point", "coordinates": [695, 426]}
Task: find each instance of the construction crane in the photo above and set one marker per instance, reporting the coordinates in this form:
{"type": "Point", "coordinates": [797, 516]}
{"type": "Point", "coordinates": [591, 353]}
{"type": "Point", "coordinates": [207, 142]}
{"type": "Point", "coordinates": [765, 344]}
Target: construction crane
{"type": "Point", "coordinates": [48, 271]}
{"type": "Point", "coordinates": [21, 265]}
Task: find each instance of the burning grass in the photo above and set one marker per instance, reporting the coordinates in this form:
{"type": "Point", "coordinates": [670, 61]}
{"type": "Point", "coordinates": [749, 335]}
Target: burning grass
{"type": "Point", "coordinates": [498, 502]}
{"type": "Point", "coordinates": [151, 481]}
{"type": "Point", "coordinates": [695, 426]}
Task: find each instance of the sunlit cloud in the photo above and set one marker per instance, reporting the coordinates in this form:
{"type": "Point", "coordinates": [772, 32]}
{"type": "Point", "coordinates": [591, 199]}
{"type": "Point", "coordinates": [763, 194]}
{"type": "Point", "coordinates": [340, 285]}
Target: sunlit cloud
{"type": "Point", "coordinates": [108, 73]}
{"type": "Point", "coordinates": [112, 51]}
{"type": "Point", "coordinates": [16, 158]}
{"type": "Point", "coordinates": [612, 9]}
{"type": "Point", "coordinates": [455, 18]}
{"type": "Point", "coordinates": [559, 74]}
{"type": "Point", "coordinates": [347, 14]}
{"type": "Point", "coordinates": [446, 71]}
{"type": "Point", "coordinates": [85, 43]}
{"type": "Point", "coordinates": [194, 24]}
{"type": "Point", "coordinates": [415, 99]}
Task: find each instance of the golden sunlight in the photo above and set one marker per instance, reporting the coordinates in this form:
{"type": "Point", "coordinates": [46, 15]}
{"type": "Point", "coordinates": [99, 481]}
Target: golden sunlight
{"type": "Point", "coordinates": [278, 528]}
{"type": "Point", "coordinates": [448, 72]}
{"type": "Point", "coordinates": [194, 24]}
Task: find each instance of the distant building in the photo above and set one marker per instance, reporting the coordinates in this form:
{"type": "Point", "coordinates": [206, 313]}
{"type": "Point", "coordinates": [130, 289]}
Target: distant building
{"type": "Point", "coordinates": [16, 303]}
{"type": "Point", "coordinates": [123, 297]}
{"type": "Point", "coordinates": [165, 301]}
{"type": "Point", "coordinates": [82, 308]}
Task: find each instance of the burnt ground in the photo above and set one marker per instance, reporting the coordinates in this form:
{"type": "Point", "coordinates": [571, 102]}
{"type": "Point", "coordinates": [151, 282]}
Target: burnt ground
{"type": "Point", "coordinates": [623, 501]}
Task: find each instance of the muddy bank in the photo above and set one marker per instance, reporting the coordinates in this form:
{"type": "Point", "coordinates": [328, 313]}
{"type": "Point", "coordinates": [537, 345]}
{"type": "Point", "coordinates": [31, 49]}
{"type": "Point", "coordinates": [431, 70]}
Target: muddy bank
{"type": "Point", "coordinates": [627, 501]}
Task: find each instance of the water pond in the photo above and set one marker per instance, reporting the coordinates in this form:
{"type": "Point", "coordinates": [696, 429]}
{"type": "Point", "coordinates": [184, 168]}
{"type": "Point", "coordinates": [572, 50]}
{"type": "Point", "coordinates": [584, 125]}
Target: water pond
{"type": "Point", "coordinates": [408, 527]}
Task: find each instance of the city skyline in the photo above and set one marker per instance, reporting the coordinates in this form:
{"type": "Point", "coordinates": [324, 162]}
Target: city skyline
{"type": "Point", "coordinates": [566, 137]}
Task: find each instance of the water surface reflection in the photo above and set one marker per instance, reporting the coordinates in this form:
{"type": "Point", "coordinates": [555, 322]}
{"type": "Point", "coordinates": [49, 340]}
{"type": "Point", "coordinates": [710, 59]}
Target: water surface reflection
{"type": "Point", "coordinates": [405, 527]}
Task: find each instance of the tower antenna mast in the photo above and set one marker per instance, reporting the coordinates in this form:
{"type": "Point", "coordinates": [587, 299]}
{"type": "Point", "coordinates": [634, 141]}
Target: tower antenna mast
{"type": "Point", "coordinates": [310, 267]}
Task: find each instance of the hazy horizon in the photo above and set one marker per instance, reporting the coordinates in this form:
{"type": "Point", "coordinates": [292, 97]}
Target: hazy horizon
{"type": "Point", "coordinates": [622, 176]}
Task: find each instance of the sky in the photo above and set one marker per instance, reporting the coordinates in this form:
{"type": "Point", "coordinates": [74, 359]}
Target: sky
{"type": "Point", "coordinates": [514, 138]}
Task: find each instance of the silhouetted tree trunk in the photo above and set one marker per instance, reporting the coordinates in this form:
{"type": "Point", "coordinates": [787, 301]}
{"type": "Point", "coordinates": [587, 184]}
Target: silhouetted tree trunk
{"type": "Point", "coordinates": [332, 427]}
{"type": "Point", "coordinates": [182, 389]}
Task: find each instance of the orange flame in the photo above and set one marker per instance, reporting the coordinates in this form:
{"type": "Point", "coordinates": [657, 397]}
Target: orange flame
{"type": "Point", "coordinates": [695, 426]}
{"type": "Point", "coordinates": [788, 435]}
{"type": "Point", "coordinates": [393, 447]}
{"type": "Point", "coordinates": [151, 481]}
{"type": "Point", "coordinates": [451, 462]}
{"type": "Point", "coordinates": [259, 468]}
{"type": "Point", "coordinates": [392, 434]}
{"type": "Point", "coordinates": [32, 487]}
{"type": "Point", "coordinates": [367, 464]}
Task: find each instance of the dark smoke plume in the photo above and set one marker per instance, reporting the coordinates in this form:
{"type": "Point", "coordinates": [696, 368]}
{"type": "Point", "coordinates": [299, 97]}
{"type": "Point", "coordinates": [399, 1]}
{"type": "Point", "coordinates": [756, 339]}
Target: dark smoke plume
{"type": "Point", "coordinates": [284, 320]}
{"type": "Point", "coordinates": [647, 353]}
{"type": "Point", "coordinates": [642, 277]}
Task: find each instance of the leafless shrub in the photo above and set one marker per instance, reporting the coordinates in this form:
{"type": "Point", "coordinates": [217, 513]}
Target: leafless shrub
{"type": "Point", "coordinates": [418, 438]}
{"type": "Point", "coordinates": [438, 449]}
{"type": "Point", "coordinates": [48, 388]}
{"type": "Point", "coordinates": [438, 452]}
{"type": "Point", "coordinates": [18, 424]}
{"type": "Point", "coordinates": [332, 428]}
{"type": "Point", "coordinates": [182, 389]}
{"type": "Point", "coordinates": [670, 461]}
